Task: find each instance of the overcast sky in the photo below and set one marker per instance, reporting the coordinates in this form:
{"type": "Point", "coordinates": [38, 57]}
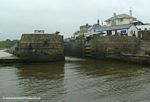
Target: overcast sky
{"type": "Point", "coordinates": [25, 16]}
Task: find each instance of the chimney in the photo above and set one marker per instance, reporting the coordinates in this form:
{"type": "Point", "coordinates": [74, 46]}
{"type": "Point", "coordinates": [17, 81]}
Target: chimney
{"type": "Point", "coordinates": [98, 21]}
{"type": "Point", "coordinates": [130, 12]}
{"type": "Point", "coordinates": [114, 14]}
{"type": "Point", "coordinates": [102, 22]}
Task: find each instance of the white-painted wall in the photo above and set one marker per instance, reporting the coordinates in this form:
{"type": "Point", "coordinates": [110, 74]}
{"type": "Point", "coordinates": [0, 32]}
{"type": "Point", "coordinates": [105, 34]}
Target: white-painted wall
{"type": "Point", "coordinates": [133, 30]}
{"type": "Point", "coordinates": [113, 32]}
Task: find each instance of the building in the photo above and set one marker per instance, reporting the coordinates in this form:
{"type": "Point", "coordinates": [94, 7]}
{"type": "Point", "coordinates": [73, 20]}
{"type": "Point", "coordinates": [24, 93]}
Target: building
{"type": "Point", "coordinates": [140, 31]}
{"type": "Point", "coordinates": [119, 30]}
{"type": "Point", "coordinates": [143, 27]}
{"type": "Point", "coordinates": [96, 29]}
{"type": "Point", "coordinates": [120, 25]}
{"type": "Point", "coordinates": [132, 31]}
{"type": "Point", "coordinates": [120, 19]}
{"type": "Point", "coordinates": [82, 32]}
{"type": "Point", "coordinates": [41, 47]}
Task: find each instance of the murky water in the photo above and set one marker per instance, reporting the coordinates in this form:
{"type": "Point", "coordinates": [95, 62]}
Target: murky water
{"type": "Point", "coordinates": [76, 80]}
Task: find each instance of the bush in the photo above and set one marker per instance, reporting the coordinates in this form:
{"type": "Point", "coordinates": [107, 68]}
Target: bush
{"type": "Point", "coordinates": [7, 43]}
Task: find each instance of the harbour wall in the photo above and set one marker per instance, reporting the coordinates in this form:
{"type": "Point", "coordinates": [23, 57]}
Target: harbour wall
{"type": "Point", "coordinates": [115, 47]}
{"type": "Point", "coordinates": [40, 47]}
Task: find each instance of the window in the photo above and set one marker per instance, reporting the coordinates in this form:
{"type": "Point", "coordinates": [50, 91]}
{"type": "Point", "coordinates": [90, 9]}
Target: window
{"type": "Point", "coordinates": [113, 22]}
{"type": "Point", "coordinates": [131, 32]}
{"type": "Point", "coordinates": [121, 20]}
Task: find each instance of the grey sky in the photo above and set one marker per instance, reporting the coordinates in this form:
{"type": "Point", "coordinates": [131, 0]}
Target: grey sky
{"type": "Point", "coordinates": [24, 16]}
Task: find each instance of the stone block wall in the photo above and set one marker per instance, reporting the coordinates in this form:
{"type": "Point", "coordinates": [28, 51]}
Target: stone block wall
{"type": "Point", "coordinates": [114, 45]}
{"type": "Point", "coordinates": [75, 48]}
{"type": "Point", "coordinates": [41, 47]}
{"type": "Point", "coordinates": [144, 35]}
{"type": "Point", "coordinates": [103, 47]}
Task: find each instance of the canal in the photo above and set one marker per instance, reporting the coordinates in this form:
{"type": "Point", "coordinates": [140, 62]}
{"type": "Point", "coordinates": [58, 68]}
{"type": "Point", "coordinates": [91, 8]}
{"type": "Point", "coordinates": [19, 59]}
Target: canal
{"type": "Point", "coordinates": [76, 80]}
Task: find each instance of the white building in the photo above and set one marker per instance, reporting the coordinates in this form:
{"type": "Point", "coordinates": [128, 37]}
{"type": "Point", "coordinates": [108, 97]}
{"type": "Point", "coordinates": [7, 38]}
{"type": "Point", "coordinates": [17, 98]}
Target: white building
{"type": "Point", "coordinates": [133, 30]}
{"type": "Point", "coordinates": [121, 25]}
{"type": "Point", "coordinates": [120, 30]}
{"type": "Point", "coordinates": [143, 27]}
{"type": "Point", "coordinates": [120, 19]}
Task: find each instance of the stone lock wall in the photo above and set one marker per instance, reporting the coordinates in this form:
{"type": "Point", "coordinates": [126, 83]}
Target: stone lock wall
{"type": "Point", "coordinates": [41, 47]}
{"type": "Point", "coordinates": [75, 48]}
{"type": "Point", "coordinates": [102, 47]}
{"type": "Point", "coordinates": [113, 46]}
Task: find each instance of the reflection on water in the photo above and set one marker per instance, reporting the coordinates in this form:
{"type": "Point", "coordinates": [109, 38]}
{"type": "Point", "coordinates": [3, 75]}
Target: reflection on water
{"type": "Point", "coordinates": [42, 80]}
{"type": "Point", "coordinates": [100, 81]}
{"type": "Point", "coordinates": [77, 80]}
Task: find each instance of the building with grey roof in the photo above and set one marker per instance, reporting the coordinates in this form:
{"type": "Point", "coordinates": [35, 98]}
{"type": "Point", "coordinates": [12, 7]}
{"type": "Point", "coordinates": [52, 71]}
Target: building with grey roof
{"type": "Point", "coordinates": [109, 30]}
{"type": "Point", "coordinates": [120, 19]}
{"type": "Point", "coordinates": [121, 24]}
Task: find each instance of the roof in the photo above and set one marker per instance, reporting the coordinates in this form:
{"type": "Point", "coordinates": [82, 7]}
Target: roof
{"type": "Point", "coordinates": [95, 26]}
{"type": "Point", "coordinates": [105, 28]}
{"type": "Point", "coordinates": [120, 16]}
{"type": "Point", "coordinates": [143, 27]}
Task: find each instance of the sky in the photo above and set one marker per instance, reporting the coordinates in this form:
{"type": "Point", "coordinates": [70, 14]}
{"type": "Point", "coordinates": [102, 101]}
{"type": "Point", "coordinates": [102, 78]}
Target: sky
{"type": "Point", "coordinates": [25, 16]}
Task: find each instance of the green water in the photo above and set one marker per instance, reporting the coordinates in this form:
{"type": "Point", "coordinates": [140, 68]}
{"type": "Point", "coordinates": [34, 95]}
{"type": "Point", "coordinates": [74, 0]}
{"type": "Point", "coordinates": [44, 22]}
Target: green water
{"type": "Point", "coordinates": [76, 80]}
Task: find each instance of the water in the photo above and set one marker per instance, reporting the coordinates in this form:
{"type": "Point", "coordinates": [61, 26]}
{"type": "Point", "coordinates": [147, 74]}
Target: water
{"type": "Point", "coordinates": [76, 80]}
{"type": "Point", "coordinates": [4, 54]}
